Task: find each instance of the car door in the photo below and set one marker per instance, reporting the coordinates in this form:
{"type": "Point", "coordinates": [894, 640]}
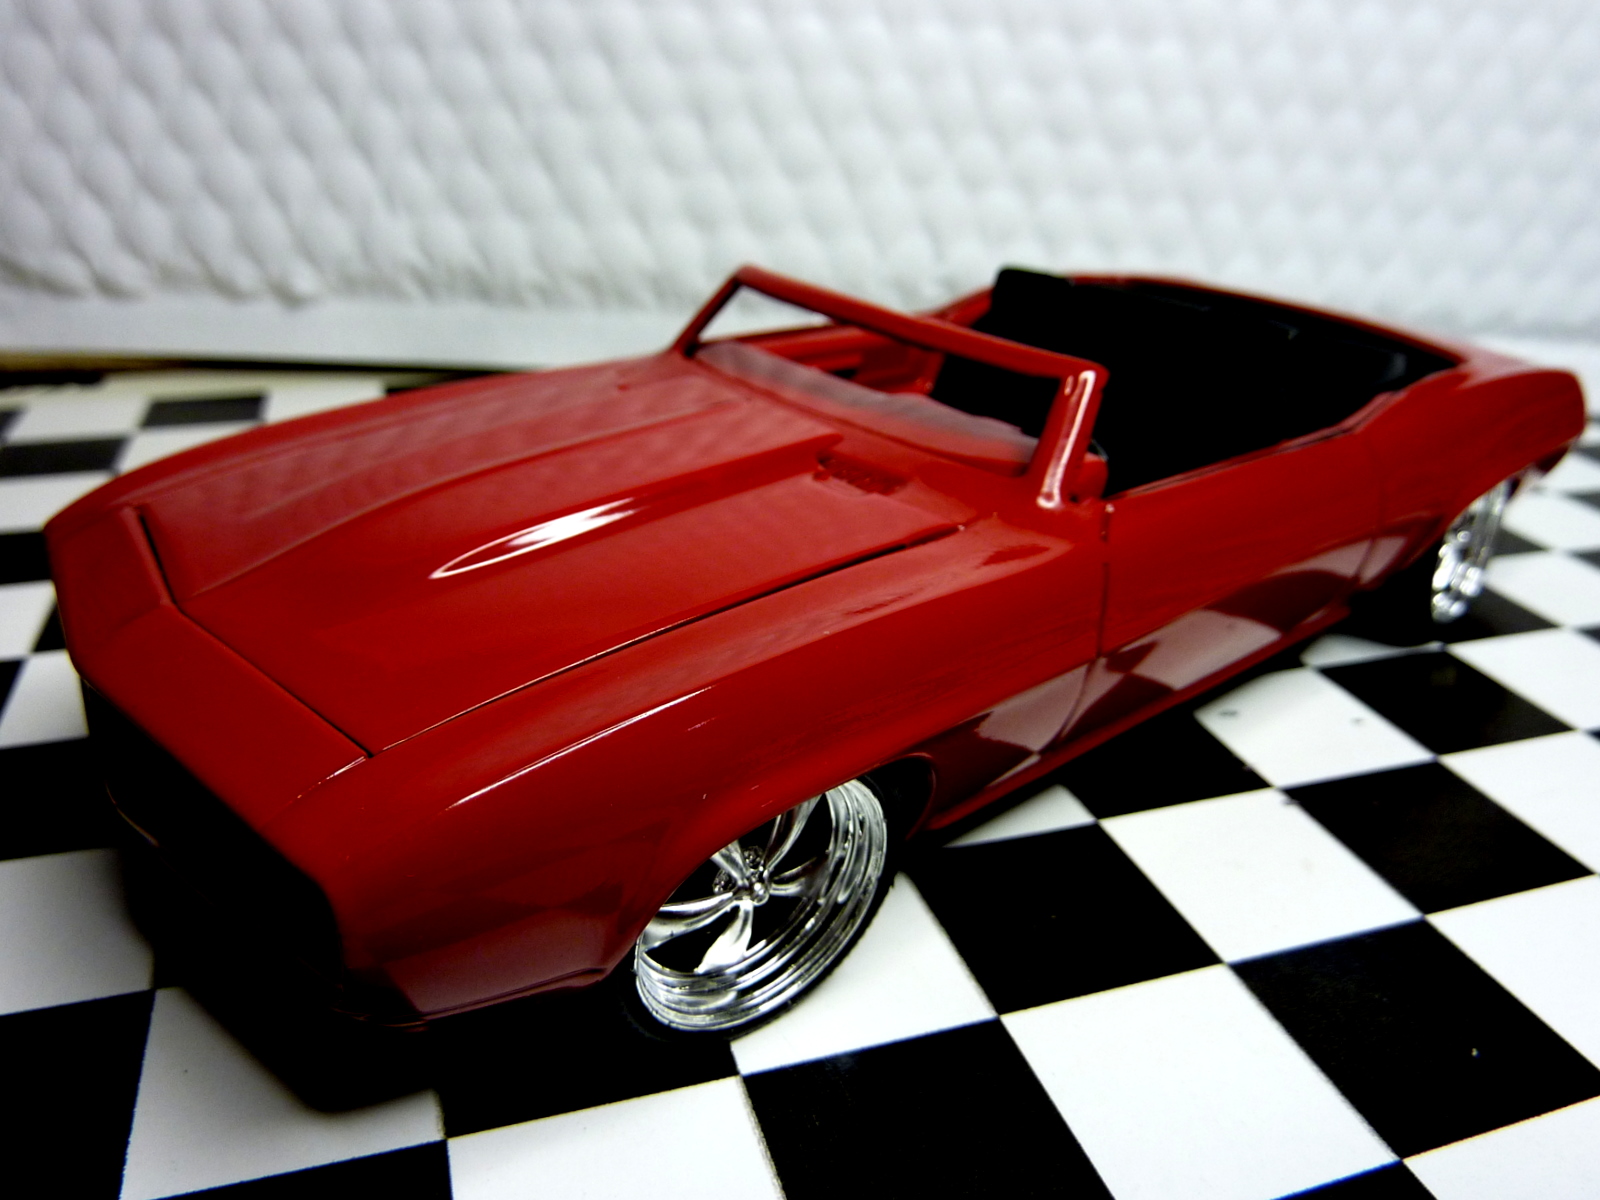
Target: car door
{"type": "Point", "coordinates": [1037, 579]}
{"type": "Point", "coordinates": [1211, 567]}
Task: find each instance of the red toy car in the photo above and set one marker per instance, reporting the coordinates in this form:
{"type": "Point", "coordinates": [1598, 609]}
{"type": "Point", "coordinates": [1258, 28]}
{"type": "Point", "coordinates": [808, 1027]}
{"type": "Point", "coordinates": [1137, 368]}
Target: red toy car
{"type": "Point", "coordinates": [497, 687]}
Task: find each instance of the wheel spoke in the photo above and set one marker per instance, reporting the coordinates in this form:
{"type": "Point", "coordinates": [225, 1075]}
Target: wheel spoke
{"type": "Point", "coordinates": [684, 916]}
{"type": "Point", "coordinates": [800, 880]}
{"type": "Point", "coordinates": [733, 943]}
{"type": "Point", "coordinates": [786, 830]}
{"type": "Point", "coordinates": [731, 859]}
{"type": "Point", "coordinates": [1465, 552]}
{"type": "Point", "coordinates": [824, 888]}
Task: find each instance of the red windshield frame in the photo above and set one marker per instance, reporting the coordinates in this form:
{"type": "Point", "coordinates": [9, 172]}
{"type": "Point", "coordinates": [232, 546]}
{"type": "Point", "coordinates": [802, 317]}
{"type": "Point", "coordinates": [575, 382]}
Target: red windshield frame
{"type": "Point", "coordinates": [1054, 470]}
{"type": "Point", "coordinates": [929, 333]}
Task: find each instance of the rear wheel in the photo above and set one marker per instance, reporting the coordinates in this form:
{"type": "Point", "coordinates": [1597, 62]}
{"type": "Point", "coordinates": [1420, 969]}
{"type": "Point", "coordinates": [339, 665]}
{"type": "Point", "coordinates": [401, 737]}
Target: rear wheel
{"type": "Point", "coordinates": [1464, 553]}
{"type": "Point", "coordinates": [767, 916]}
{"type": "Point", "coordinates": [1440, 586]}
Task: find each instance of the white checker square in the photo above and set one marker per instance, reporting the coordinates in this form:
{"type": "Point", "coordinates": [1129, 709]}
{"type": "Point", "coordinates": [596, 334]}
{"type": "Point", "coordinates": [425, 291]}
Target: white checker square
{"type": "Point", "coordinates": [1557, 669]}
{"type": "Point", "coordinates": [1554, 520]}
{"type": "Point", "coordinates": [903, 979]}
{"type": "Point", "coordinates": [1550, 783]}
{"type": "Point", "coordinates": [1051, 809]}
{"type": "Point", "coordinates": [149, 445]}
{"type": "Point", "coordinates": [1574, 473]}
{"type": "Point", "coordinates": [1563, 589]}
{"type": "Point", "coordinates": [1551, 1157]}
{"type": "Point", "coordinates": [290, 400]}
{"type": "Point", "coordinates": [1338, 649]}
{"type": "Point", "coordinates": [209, 1114]}
{"type": "Point", "coordinates": [65, 935]}
{"type": "Point", "coordinates": [187, 383]}
{"type": "Point", "coordinates": [1254, 873]}
{"type": "Point", "coordinates": [45, 704]}
{"type": "Point", "coordinates": [24, 608]}
{"type": "Point", "coordinates": [1590, 435]}
{"type": "Point", "coordinates": [683, 1145]}
{"type": "Point", "coordinates": [1193, 1065]}
{"type": "Point", "coordinates": [1298, 727]}
{"type": "Point", "coordinates": [28, 501]}
{"type": "Point", "coordinates": [78, 414]}
{"type": "Point", "coordinates": [1544, 946]}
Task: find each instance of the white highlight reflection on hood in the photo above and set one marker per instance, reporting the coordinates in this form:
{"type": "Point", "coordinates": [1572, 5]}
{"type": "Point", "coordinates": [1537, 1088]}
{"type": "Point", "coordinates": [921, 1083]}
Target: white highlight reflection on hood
{"type": "Point", "coordinates": [537, 537]}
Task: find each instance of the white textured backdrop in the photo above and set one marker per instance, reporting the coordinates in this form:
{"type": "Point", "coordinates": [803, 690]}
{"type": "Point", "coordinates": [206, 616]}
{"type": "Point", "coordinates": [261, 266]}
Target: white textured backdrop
{"type": "Point", "coordinates": [495, 181]}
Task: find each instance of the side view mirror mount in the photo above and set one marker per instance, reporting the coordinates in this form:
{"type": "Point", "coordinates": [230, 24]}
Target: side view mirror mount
{"type": "Point", "coordinates": [1090, 482]}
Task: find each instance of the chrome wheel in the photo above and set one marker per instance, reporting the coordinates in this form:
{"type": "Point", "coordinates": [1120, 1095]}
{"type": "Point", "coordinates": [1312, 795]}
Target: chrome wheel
{"type": "Point", "coordinates": [1464, 553]}
{"type": "Point", "coordinates": [766, 916]}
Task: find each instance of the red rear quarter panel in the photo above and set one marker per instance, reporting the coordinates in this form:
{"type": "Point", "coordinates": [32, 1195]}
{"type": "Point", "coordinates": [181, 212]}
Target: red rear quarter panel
{"type": "Point", "coordinates": [1451, 437]}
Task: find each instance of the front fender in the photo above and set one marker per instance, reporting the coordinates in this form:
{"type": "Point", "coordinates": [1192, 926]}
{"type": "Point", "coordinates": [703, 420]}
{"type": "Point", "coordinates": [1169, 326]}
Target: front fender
{"type": "Point", "coordinates": [567, 823]}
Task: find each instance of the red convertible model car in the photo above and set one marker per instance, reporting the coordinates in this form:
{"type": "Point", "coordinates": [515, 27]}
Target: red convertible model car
{"type": "Point", "coordinates": [502, 686]}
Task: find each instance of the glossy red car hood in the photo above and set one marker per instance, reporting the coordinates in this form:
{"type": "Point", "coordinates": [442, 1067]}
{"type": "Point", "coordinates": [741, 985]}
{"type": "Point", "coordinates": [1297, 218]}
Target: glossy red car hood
{"type": "Point", "coordinates": [401, 570]}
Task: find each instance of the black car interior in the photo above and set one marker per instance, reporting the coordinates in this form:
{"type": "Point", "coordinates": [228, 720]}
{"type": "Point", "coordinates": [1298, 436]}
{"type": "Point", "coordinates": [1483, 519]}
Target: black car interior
{"type": "Point", "coordinates": [1196, 377]}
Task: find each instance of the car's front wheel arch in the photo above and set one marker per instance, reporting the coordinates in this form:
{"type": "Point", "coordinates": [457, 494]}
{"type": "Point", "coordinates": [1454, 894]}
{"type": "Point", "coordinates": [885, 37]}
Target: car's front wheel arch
{"type": "Point", "coordinates": [766, 917]}
{"type": "Point", "coordinates": [906, 787]}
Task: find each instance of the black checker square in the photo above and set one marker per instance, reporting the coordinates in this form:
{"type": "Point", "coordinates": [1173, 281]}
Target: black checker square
{"type": "Point", "coordinates": [1423, 1042]}
{"type": "Point", "coordinates": [23, 558]}
{"type": "Point", "coordinates": [1443, 702]}
{"type": "Point", "coordinates": [559, 1053]}
{"type": "Point", "coordinates": [1439, 841]}
{"type": "Point", "coordinates": [71, 1076]}
{"type": "Point", "coordinates": [50, 637]}
{"type": "Point", "coordinates": [55, 800]}
{"type": "Point", "coordinates": [1506, 542]}
{"type": "Point", "coordinates": [1394, 1182]}
{"type": "Point", "coordinates": [59, 458]}
{"type": "Point", "coordinates": [204, 410]}
{"type": "Point", "coordinates": [1169, 759]}
{"type": "Point", "coordinates": [1053, 916]}
{"type": "Point", "coordinates": [953, 1114]}
{"type": "Point", "coordinates": [415, 1173]}
{"type": "Point", "coordinates": [1388, 1183]}
{"type": "Point", "coordinates": [1491, 615]}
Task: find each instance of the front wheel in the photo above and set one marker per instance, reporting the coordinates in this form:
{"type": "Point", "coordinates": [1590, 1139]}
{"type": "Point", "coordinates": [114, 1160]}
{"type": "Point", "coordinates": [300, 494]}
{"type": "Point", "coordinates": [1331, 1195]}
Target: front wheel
{"type": "Point", "coordinates": [767, 916]}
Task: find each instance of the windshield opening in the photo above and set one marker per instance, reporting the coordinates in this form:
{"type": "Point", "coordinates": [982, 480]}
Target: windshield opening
{"type": "Point", "coordinates": [934, 384]}
{"type": "Point", "coordinates": [908, 416]}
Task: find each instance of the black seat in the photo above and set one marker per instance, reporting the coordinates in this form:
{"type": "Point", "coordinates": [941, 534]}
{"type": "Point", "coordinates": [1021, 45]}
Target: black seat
{"type": "Point", "coordinates": [1196, 377]}
{"type": "Point", "coordinates": [1024, 307]}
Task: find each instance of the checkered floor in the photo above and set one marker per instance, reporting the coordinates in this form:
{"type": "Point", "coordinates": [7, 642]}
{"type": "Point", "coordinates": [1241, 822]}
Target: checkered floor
{"type": "Point", "coordinates": [1333, 930]}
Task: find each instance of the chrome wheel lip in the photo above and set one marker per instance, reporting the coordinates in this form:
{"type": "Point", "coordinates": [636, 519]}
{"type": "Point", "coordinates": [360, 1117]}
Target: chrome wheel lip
{"type": "Point", "coordinates": [1464, 554]}
{"type": "Point", "coordinates": [832, 896]}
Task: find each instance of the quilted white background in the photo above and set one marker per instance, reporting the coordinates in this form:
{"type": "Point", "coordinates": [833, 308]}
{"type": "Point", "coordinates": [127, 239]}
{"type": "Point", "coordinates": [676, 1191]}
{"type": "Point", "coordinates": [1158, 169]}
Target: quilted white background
{"type": "Point", "coordinates": [494, 181]}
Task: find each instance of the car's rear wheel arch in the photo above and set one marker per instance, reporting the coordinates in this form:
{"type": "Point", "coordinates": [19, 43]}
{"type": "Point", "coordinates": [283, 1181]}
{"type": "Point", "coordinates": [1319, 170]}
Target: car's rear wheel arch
{"type": "Point", "coordinates": [1441, 579]}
